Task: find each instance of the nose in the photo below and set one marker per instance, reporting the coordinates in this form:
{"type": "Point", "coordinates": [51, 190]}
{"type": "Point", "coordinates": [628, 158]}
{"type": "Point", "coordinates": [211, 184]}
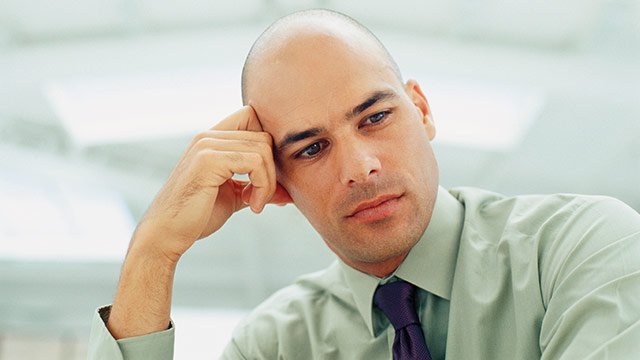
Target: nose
{"type": "Point", "coordinates": [358, 162]}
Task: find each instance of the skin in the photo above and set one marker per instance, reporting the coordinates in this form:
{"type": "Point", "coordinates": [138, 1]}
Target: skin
{"type": "Point", "coordinates": [196, 200]}
{"type": "Point", "coordinates": [311, 75]}
{"type": "Point", "coordinates": [354, 159]}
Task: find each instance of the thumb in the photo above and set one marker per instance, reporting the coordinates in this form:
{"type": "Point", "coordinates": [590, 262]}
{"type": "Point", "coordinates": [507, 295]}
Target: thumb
{"type": "Point", "coordinates": [246, 193]}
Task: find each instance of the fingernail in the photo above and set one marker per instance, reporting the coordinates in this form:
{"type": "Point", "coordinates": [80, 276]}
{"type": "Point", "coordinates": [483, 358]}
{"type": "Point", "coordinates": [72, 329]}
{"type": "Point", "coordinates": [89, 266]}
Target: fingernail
{"type": "Point", "coordinates": [257, 208]}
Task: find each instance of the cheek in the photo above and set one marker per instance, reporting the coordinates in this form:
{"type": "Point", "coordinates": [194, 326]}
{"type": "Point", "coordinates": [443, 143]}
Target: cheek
{"type": "Point", "coordinates": [408, 150]}
{"type": "Point", "coordinates": [407, 139]}
{"type": "Point", "coordinates": [306, 188]}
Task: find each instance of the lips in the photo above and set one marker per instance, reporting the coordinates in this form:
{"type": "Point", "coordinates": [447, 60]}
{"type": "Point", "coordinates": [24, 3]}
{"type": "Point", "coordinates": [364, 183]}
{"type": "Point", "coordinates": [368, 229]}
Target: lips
{"type": "Point", "coordinates": [377, 203]}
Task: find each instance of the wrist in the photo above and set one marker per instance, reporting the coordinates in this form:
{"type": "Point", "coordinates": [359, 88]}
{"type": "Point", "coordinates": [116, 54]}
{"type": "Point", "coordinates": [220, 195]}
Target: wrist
{"type": "Point", "coordinates": [148, 249]}
{"type": "Point", "coordinates": [151, 256]}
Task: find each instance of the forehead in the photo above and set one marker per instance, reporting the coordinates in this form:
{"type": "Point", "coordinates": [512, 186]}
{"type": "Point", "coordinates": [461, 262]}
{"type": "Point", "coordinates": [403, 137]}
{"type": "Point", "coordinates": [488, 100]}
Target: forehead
{"type": "Point", "coordinates": [314, 77]}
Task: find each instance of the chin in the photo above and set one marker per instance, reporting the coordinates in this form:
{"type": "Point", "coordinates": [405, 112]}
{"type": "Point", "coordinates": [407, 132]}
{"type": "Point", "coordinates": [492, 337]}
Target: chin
{"type": "Point", "coordinates": [381, 246]}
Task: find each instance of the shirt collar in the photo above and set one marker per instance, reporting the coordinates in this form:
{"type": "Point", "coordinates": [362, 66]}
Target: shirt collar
{"type": "Point", "coordinates": [429, 265]}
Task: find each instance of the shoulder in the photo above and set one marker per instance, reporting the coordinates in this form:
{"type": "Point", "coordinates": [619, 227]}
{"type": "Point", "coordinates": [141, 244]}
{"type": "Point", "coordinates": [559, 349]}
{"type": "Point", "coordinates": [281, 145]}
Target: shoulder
{"type": "Point", "coordinates": [570, 239]}
{"type": "Point", "coordinates": [593, 243]}
{"type": "Point", "coordinates": [545, 215]}
{"type": "Point", "coordinates": [287, 317]}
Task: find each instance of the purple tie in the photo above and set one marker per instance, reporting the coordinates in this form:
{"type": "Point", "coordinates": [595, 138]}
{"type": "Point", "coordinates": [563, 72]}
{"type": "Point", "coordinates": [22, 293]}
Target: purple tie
{"type": "Point", "coordinates": [396, 302]}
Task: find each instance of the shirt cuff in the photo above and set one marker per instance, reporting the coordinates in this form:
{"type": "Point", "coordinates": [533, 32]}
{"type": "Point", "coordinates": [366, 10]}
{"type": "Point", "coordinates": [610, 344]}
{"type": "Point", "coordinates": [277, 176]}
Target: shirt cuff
{"type": "Point", "coordinates": [102, 345]}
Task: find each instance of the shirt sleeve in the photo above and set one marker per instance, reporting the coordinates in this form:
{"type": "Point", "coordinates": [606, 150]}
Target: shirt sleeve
{"type": "Point", "coordinates": [590, 285]}
{"type": "Point", "coordinates": [102, 345]}
{"type": "Point", "coordinates": [232, 352]}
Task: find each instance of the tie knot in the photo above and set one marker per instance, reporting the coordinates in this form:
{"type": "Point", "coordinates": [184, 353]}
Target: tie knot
{"type": "Point", "coordinates": [396, 300]}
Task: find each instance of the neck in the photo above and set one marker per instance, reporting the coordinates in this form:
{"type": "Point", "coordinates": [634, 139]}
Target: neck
{"type": "Point", "coordinates": [380, 269]}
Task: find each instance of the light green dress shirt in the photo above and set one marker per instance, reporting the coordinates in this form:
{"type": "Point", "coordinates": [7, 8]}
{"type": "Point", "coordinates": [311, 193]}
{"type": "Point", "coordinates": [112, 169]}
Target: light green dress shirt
{"type": "Point", "coordinates": [527, 277]}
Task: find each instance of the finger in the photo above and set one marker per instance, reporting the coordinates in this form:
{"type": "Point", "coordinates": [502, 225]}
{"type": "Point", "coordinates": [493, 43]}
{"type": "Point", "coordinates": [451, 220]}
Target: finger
{"type": "Point", "coordinates": [243, 119]}
{"type": "Point", "coordinates": [238, 188]}
{"type": "Point", "coordinates": [253, 123]}
{"type": "Point", "coordinates": [280, 196]}
{"type": "Point", "coordinates": [251, 196]}
{"type": "Point", "coordinates": [238, 185]}
{"type": "Point", "coordinates": [246, 194]}
{"type": "Point", "coordinates": [245, 146]}
{"type": "Point", "coordinates": [258, 136]}
{"type": "Point", "coordinates": [227, 163]}
{"type": "Point", "coordinates": [261, 194]}
{"type": "Point", "coordinates": [239, 145]}
{"type": "Point", "coordinates": [214, 139]}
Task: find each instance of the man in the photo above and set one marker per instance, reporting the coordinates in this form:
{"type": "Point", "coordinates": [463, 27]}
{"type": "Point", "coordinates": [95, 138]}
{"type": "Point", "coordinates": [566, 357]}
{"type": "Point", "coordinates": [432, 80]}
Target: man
{"type": "Point", "coordinates": [330, 126]}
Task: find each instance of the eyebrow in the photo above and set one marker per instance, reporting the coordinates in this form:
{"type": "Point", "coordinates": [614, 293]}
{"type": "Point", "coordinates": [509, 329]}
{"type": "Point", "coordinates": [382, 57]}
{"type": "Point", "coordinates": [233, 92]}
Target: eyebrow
{"type": "Point", "coordinates": [294, 137]}
{"type": "Point", "coordinates": [375, 97]}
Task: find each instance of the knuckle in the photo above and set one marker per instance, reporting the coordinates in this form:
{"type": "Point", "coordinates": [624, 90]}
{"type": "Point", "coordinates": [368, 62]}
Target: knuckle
{"type": "Point", "coordinates": [266, 137]}
{"type": "Point", "coordinates": [199, 137]}
{"type": "Point", "coordinates": [264, 147]}
{"type": "Point", "coordinates": [248, 144]}
{"type": "Point", "coordinates": [203, 143]}
{"type": "Point", "coordinates": [210, 162]}
{"type": "Point", "coordinates": [203, 158]}
{"type": "Point", "coordinates": [233, 157]}
{"type": "Point", "coordinates": [257, 159]}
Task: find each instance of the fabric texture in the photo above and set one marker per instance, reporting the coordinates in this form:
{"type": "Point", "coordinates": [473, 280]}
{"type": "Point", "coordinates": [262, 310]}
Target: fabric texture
{"type": "Point", "coordinates": [396, 300]}
{"type": "Point", "coordinates": [497, 277]}
{"type": "Point", "coordinates": [102, 346]}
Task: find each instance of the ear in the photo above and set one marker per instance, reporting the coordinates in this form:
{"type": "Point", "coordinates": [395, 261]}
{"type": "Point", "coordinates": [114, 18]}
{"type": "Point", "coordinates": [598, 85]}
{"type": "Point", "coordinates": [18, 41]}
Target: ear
{"type": "Point", "coordinates": [412, 88]}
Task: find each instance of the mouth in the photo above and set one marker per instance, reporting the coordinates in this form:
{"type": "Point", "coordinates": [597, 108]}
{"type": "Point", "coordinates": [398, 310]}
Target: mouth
{"type": "Point", "coordinates": [376, 209]}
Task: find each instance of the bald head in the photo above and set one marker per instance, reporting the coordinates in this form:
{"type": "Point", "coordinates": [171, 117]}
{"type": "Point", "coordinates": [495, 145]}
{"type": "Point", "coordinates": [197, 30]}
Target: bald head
{"type": "Point", "coordinates": [304, 26]}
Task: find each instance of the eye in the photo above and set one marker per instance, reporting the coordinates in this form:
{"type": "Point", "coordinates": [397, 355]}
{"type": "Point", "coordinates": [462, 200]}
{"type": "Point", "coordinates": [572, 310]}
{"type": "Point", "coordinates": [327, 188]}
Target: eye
{"type": "Point", "coordinates": [375, 118]}
{"type": "Point", "coordinates": [312, 150]}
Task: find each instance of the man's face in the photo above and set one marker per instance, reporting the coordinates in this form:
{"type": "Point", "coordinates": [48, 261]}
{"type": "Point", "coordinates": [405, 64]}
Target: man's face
{"type": "Point", "coordinates": [351, 145]}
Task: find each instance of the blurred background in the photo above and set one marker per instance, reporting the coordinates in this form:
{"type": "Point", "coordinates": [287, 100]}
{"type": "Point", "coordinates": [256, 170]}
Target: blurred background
{"type": "Point", "coordinates": [98, 99]}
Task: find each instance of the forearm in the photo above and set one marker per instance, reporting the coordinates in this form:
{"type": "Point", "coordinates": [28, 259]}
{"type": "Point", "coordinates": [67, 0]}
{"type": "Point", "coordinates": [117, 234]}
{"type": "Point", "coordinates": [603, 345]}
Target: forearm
{"type": "Point", "coordinates": [142, 304]}
{"type": "Point", "coordinates": [197, 199]}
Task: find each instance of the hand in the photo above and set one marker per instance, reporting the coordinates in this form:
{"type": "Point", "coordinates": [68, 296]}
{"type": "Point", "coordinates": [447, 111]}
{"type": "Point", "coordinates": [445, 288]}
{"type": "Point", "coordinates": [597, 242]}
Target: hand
{"type": "Point", "coordinates": [200, 194]}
